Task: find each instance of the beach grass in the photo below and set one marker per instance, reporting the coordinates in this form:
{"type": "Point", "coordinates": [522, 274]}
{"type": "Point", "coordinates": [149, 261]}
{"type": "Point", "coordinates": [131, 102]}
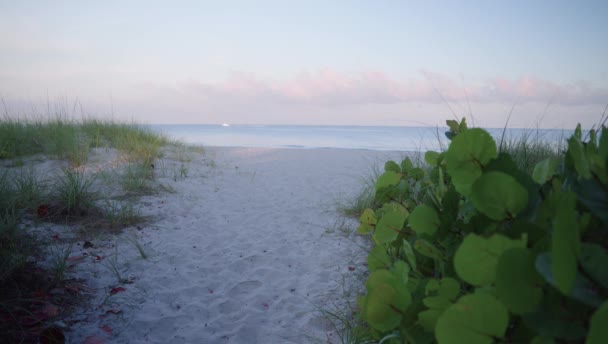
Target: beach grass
{"type": "Point", "coordinates": [70, 139]}
{"type": "Point", "coordinates": [530, 148]}
{"type": "Point", "coordinates": [73, 196]}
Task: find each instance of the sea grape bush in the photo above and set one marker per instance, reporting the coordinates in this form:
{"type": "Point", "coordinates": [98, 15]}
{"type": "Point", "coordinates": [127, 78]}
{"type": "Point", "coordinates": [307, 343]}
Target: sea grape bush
{"type": "Point", "coordinates": [474, 250]}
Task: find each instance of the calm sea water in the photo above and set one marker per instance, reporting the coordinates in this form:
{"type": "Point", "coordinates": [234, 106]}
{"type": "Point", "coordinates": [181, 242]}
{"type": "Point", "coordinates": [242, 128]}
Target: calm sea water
{"type": "Point", "coordinates": [349, 137]}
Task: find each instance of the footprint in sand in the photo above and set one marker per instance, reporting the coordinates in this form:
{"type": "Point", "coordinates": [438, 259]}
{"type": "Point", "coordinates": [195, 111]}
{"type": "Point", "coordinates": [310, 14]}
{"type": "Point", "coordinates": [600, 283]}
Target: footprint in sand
{"type": "Point", "coordinates": [243, 288]}
{"type": "Point", "coordinates": [237, 294]}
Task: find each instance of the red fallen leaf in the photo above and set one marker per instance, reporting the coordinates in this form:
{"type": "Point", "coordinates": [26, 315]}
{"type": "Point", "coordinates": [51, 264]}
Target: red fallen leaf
{"type": "Point", "coordinates": [117, 290]}
{"type": "Point", "coordinates": [107, 329]}
{"type": "Point", "coordinates": [74, 289]}
{"type": "Point", "coordinates": [75, 259]}
{"type": "Point", "coordinates": [265, 305]}
{"type": "Point", "coordinates": [351, 268]}
{"type": "Point", "coordinates": [210, 291]}
{"type": "Point", "coordinates": [42, 211]}
{"type": "Point", "coordinates": [55, 237]}
{"type": "Point", "coordinates": [93, 340]}
{"type": "Point", "coordinates": [98, 258]}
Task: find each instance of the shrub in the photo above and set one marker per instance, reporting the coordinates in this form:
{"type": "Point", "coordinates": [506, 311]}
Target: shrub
{"type": "Point", "coordinates": [474, 250]}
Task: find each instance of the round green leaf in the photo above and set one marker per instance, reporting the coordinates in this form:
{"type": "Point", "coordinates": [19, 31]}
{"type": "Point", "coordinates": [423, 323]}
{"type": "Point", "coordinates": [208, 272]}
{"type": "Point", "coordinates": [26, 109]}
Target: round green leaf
{"type": "Point", "coordinates": [378, 259]}
{"type": "Point", "coordinates": [367, 222]}
{"type": "Point", "coordinates": [390, 225]}
{"type": "Point", "coordinates": [474, 319]}
{"type": "Point", "coordinates": [388, 178]}
{"type": "Point", "coordinates": [446, 292]}
{"type": "Point", "coordinates": [468, 153]}
{"type": "Point", "coordinates": [450, 288]}
{"type": "Point", "coordinates": [498, 195]}
{"type": "Point", "coordinates": [544, 170]}
{"type": "Point", "coordinates": [406, 165]}
{"type": "Point", "coordinates": [391, 166]}
{"type": "Point", "coordinates": [401, 270]}
{"type": "Point", "coordinates": [476, 259]}
{"type": "Point", "coordinates": [428, 319]}
{"type": "Point", "coordinates": [424, 220]}
{"type": "Point", "coordinates": [368, 217]}
{"type": "Point", "coordinates": [598, 329]}
{"type": "Point", "coordinates": [386, 301]}
{"type": "Point", "coordinates": [517, 282]}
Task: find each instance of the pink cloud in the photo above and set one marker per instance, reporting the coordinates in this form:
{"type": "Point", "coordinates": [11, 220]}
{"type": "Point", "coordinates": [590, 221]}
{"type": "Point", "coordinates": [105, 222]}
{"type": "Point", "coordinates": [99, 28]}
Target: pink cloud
{"type": "Point", "coordinates": [331, 88]}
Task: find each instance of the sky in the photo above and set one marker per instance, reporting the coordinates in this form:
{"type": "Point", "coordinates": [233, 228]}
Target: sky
{"type": "Point", "coordinates": [404, 63]}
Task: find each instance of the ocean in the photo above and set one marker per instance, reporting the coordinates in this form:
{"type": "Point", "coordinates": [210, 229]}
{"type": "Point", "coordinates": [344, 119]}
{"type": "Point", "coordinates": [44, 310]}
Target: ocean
{"type": "Point", "coordinates": [346, 137]}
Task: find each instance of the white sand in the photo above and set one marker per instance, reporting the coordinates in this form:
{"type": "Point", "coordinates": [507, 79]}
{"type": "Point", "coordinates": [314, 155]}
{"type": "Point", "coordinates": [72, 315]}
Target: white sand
{"type": "Point", "coordinates": [244, 251]}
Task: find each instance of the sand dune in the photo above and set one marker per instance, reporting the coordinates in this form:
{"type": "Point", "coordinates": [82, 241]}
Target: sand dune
{"type": "Point", "coordinates": [244, 251]}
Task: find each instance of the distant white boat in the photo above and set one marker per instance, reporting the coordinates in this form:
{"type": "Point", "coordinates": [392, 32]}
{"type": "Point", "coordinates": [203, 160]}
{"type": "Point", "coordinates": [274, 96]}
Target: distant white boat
{"type": "Point", "coordinates": [225, 125]}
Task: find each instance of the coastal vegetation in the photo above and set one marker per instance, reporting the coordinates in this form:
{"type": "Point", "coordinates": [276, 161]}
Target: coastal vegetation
{"type": "Point", "coordinates": [84, 174]}
{"type": "Point", "coordinates": [488, 242]}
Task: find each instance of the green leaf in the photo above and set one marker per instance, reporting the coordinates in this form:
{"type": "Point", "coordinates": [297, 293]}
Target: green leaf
{"type": "Point", "coordinates": [450, 288]}
{"type": "Point", "coordinates": [388, 178]}
{"type": "Point", "coordinates": [565, 242]}
{"type": "Point", "coordinates": [424, 220]}
{"type": "Point", "coordinates": [466, 157]}
{"type": "Point", "coordinates": [594, 260]}
{"type": "Point", "coordinates": [583, 289]}
{"type": "Point", "coordinates": [378, 259]}
{"type": "Point", "coordinates": [428, 318]}
{"type": "Point", "coordinates": [498, 196]}
{"type": "Point", "coordinates": [386, 301]}
{"type": "Point", "coordinates": [504, 163]}
{"type": "Point", "coordinates": [427, 249]}
{"type": "Point", "coordinates": [431, 158]}
{"type": "Point", "coordinates": [406, 165]}
{"type": "Point", "coordinates": [598, 327]}
{"type": "Point", "coordinates": [476, 259]}
{"type": "Point", "coordinates": [476, 319]}
{"type": "Point", "coordinates": [409, 254]}
{"type": "Point", "coordinates": [389, 193]}
{"type": "Point", "coordinates": [446, 292]}
{"type": "Point", "coordinates": [391, 166]}
{"type": "Point", "coordinates": [453, 125]}
{"type": "Point", "coordinates": [401, 270]}
{"type": "Point", "coordinates": [390, 225]}
{"type": "Point", "coordinates": [544, 170]}
{"type": "Point", "coordinates": [517, 282]}
{"type": "Point", "coordinates": [578, 133]}
{"type": "Point", "coordinates": [463, 125]}
{"type": "Point", "coordinates": [576, 152]}
{"type": "Point", "coordinates": [367, 222]}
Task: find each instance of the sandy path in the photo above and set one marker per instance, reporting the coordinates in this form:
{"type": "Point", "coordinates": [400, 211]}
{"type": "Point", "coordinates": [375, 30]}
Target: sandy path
{"type": "Point", "coordinates": [240, 253]}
